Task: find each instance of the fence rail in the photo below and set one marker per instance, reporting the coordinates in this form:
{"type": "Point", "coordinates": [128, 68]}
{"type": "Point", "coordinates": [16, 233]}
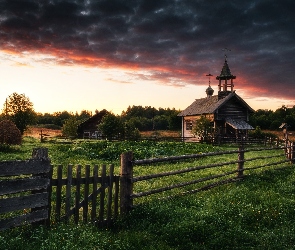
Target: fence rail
{"type": "Point", "coordinates": [25, 192]}
{"type": "Point", "coordinates": [278, 155]}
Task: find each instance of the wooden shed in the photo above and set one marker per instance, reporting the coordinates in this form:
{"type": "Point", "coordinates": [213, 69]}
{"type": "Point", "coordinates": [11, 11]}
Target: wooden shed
{"type": "Point", "coordinates": [228, 112]}
{"type": "Point", "coordinates": [89, 129]}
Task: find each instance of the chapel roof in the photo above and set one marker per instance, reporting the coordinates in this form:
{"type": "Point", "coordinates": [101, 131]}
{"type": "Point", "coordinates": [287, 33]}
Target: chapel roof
{"type": "Point", "coordinates": [210, 105]}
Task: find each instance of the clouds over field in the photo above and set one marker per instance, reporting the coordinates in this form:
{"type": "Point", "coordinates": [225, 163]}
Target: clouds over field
{"type": "Point", "coordinates": [176, 42]}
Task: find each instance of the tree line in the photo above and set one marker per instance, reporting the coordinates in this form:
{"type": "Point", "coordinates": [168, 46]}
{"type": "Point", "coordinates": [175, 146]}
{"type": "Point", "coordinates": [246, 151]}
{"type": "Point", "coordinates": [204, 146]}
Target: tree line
{"type": "Point", "coordinates": [272, 120]}
{"type": "Point", "coordinates": [19, 109]}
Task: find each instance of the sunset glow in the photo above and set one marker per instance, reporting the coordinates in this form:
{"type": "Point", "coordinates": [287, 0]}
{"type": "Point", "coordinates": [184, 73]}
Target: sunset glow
{"type": "Point", "coordinates": [97, 55]}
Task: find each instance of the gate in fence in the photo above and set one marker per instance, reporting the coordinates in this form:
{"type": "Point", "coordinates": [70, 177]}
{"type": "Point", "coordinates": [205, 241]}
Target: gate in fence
{"type": "Point", "coordinates": [90, 198]}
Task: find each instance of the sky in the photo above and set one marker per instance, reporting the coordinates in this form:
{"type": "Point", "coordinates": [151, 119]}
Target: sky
{"type": "Point", "coordinates": [110, 54]}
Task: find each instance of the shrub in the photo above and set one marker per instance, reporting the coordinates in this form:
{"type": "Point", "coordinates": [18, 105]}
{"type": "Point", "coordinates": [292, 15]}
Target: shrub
{"type": "Point", "coordinates": [258, 133]}
{"type": "Point", "coordinates": [70, 127]}
{"type": "Point", "coordinates": [9, 133]}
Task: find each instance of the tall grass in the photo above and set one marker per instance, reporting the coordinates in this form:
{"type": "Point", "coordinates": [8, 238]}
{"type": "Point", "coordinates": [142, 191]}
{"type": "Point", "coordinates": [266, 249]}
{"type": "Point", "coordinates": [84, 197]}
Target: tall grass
{"type": "Point", "coordinates": [256, 213]}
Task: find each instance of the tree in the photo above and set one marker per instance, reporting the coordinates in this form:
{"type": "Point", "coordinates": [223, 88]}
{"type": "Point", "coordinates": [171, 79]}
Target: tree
{"type": "Point", "coordinates": [84, 115]}
{"type": "Point", "coordinates": [70, 127]}
{"type": "Point", "coordinates": [111, 126]}
{"type": "Point", "coordinates": [61, 117]}
{"type": "Point", "coordinates": [131, 132]}
{"type": "Point", "coordinates": [20, 110]}
{"type": "Point", "coordinates": [203, 128]}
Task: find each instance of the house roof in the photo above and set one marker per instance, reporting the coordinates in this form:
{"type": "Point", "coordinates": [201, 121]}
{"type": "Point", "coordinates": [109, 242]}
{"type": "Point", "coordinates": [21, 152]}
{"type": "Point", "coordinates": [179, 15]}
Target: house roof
{"type": "Point", "coordinates": [210, 104]}
{"type": "Point", "coordinates": [92, 122]}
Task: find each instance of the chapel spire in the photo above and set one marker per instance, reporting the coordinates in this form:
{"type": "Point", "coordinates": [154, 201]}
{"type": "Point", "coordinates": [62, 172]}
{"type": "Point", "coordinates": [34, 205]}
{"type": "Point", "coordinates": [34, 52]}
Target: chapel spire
{"type": "Point", "coordinates": [225, 86]}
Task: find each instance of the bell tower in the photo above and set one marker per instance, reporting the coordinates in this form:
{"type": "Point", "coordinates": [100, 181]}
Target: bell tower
{"type": "Point", "coordinates": [225, 85]}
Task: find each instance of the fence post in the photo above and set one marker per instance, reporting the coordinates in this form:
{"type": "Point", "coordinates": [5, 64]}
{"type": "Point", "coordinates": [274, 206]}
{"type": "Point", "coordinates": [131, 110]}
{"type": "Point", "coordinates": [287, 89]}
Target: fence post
{"type": "Point", "coordinates": [289, 150]}
{"type": "Point", "coordinates": [241, 162]}
{"type": "Point", "coordinates": [286, 148]}
{"type": "Point", "coordinates": [126, 186]}
{"type": "Point", "coordinates": [40, 154]}
{"type": "Point", "coordinates": [292, 153]}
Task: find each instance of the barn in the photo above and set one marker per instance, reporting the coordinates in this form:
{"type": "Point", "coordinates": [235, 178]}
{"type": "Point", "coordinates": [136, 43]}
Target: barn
{"type": "Point", "coordinates": [89, 129]}
{"type": "Point", "coordinates": [227, 111]}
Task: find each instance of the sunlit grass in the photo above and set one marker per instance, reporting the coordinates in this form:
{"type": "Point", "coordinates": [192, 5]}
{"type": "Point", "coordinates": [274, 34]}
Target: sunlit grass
{"type": "Point", "coordinates": [256, 213]}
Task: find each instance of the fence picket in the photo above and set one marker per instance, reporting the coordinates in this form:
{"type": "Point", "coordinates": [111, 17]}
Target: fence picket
{"type": "Point", "coordinates": [58, 193]}
{"type": "Point", "coordinates": [86, 193]}
{"type": "Point", "coordinates": [68, 192]}
{"type": "Point", "coordinates": [110, 192]}
{"type": "Point", "coordinates": [116, 197]}
{"type": "Point", "coordinates": [78, 194]}
{"type": "Point", "coordinates": [102, 194]}
{"type": "Point", "coordinates": [94, 191]}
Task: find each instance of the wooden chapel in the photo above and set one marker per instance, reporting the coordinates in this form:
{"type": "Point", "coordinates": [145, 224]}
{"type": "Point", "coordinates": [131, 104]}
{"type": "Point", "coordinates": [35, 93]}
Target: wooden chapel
{"type": "Point", "coordinates": [227, 111]}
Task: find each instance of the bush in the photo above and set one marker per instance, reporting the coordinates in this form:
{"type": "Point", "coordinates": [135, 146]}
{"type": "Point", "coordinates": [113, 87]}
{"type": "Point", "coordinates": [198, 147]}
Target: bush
{"type": "Point", "coordinates": [9, 133]}
{"type": "Point", "coordinates": [259, 134]}
{"type": "Point", "coordinates": [70, 127]}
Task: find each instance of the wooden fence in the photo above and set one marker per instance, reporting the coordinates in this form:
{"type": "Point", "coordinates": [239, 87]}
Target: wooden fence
{"type": "Point", "coordinates": [29, 193]}
{"type": "Point", "coordinates": [95, 197]}
{"type": "Point", "coordinates": [233, 170]}
{"type": "Point", "coordinates": [25, 192]}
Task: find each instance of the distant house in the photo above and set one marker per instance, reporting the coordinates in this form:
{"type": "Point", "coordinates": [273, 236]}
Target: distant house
{"type": "Point", "coordinates": [89, 129]}
{"type": "Point", "coordinates": [228, 112]}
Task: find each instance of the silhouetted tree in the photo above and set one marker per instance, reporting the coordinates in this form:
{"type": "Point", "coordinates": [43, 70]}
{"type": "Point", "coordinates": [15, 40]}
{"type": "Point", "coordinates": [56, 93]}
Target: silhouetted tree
{"type": "Point", "coordinates": [111, 126]}
{"type": "Point", "coordinates": [19, 109]}
{"type": "Point", "coordinates": [70, 127]}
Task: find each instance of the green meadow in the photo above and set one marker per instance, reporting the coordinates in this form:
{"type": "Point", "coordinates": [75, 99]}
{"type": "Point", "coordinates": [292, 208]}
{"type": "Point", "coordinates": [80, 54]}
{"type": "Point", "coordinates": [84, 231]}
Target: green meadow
{"type": "Point", "coordinates": [255, 213]}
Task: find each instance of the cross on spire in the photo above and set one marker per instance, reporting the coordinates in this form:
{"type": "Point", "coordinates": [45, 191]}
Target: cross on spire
{"type": "Point", "coordinates": [225, 50]}
{"type": "Point", "coordinates": [209, 75]}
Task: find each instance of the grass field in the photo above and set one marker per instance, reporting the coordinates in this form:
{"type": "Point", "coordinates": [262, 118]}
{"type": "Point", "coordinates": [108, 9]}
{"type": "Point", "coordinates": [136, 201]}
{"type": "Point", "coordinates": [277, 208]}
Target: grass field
{"type": "Point", "coordinates": [256, 213]}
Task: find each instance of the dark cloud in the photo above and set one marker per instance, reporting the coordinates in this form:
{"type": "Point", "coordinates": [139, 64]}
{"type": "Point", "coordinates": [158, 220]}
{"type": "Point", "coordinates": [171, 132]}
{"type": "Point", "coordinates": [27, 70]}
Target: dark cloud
{"type": "Point", "coordinates": [179, 41]}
